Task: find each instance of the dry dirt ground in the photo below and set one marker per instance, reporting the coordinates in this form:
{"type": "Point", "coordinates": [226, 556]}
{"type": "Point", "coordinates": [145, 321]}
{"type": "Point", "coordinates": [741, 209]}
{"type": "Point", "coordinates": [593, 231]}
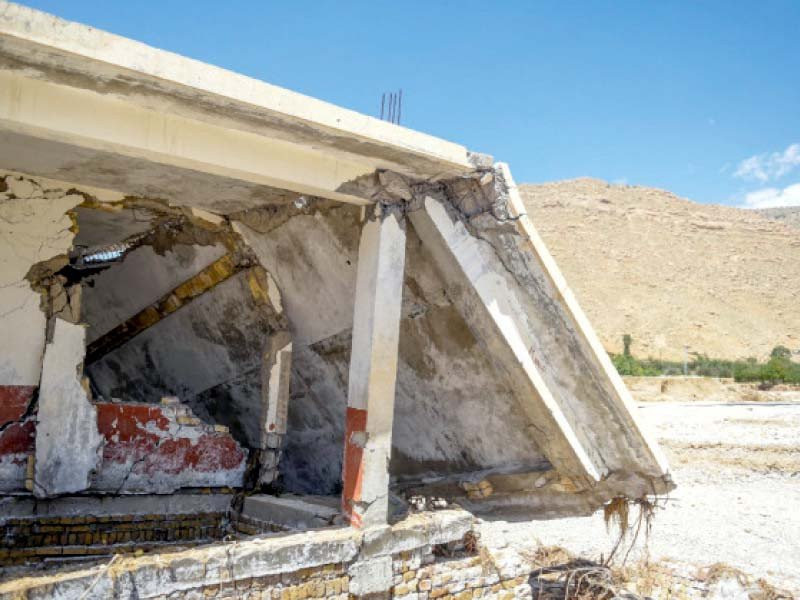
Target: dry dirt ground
{"type": "Point", "coordinates": [668, 271]}
{"type": "Point", "coordinates": [737, 466]}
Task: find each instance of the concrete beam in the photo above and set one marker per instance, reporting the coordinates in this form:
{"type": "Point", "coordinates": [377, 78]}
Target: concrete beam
{"type": "Point", "coordinates": [373, 369]}
{"type": "Point", "coordinates": [643, 452]}
{"type": "Point", "coordinates": [214, 274]}
{"type": "Point", "coordinates": [479, 287]}
{"type": "Point", "coordinates": [46, 47]}
{"type": "Point", "coordinates": [114, 128]}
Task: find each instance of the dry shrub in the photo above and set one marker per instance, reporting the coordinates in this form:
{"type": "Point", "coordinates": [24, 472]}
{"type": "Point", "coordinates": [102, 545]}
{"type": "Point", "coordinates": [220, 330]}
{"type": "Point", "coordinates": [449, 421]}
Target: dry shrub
{"type": "Point", "coordinates": [756, 590]}
{"type": "Point", "coordinates": [558, 575]}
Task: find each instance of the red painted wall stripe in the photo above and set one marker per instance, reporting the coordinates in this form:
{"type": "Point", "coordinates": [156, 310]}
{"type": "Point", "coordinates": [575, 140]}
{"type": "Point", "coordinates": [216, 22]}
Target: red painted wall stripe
{"type": "Point", "coordinates": [14, 401]}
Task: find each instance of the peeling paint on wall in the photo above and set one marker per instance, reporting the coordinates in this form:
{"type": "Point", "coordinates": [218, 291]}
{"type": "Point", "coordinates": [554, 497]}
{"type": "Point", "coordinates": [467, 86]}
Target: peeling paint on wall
{"type": "Point", "coordinates": [161, 448]}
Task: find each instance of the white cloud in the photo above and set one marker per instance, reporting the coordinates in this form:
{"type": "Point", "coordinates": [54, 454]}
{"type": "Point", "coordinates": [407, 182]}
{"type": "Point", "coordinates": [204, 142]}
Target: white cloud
{"type": "Point", "coordinates": [773, 197]}
{"type": "Point", "coordinates": [770, 166]}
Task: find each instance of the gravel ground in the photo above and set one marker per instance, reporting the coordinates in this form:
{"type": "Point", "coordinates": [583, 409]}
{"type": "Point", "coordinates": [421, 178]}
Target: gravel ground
{"type": "Point", "coordinates": [737, 467]}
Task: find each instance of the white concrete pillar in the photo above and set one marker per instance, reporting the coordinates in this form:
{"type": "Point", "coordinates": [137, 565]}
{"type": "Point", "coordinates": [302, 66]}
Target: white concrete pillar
{"type": "Point", "coordinates": [373, 369]}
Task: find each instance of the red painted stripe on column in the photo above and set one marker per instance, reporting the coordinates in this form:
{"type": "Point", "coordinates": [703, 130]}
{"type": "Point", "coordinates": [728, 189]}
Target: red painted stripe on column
{"type": "Point", "coordinates": [352, 469]}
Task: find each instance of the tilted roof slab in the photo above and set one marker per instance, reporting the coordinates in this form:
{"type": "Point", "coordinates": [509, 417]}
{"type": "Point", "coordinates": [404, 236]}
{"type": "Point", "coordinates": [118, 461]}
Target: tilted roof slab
{"type": "Point", "coordinates": [84, 106]}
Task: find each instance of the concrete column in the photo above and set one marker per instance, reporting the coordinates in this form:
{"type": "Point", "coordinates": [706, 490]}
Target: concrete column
{"type": "Point", "coordinates": [276, 375]}
{"type": "Point", "coordinates": [373, 369]}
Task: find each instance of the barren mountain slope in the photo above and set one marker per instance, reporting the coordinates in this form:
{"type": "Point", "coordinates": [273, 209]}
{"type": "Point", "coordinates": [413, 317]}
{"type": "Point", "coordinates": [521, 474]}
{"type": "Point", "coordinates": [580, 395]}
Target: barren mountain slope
{"type": "Point", "coordinates": [724, 281]}
{"type": "Point", "coordinates": [789, 215]}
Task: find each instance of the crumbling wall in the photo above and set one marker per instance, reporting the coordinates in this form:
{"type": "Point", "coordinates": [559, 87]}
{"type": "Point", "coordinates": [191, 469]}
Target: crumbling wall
{"type": "Point", "coordinates": [209, 354]}
{"type": "Point", "coordinates": [161, 448]}
{"type": "Point", "coordinates": [445, 383]}
{"type": "Point", "coordinates": [17, 435]}
{"type": "Point", "coordinates": [340, 563]}
{"type": "Point", "coordinates": [35, 227]}
{"type": "Point", "coordinates": [68, 444]}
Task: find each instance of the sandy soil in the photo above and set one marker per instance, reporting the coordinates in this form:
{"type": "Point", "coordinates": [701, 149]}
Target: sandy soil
{"type": "Point", "coordinates": [737, 466]}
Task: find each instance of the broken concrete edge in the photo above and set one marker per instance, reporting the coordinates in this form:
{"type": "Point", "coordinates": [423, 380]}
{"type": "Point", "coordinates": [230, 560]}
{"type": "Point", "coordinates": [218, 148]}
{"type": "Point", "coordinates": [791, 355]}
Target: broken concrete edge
{"type": "Point", "coordinates": [67, 419]}
{"type": "Point", "coordinates": [555, 502]}
{"type": "Point", "coordinates": [18, 507]}
{"type": "Point", "coordinates": [158, 575]}
{"type": "Point", "coordinates": [624, 405]}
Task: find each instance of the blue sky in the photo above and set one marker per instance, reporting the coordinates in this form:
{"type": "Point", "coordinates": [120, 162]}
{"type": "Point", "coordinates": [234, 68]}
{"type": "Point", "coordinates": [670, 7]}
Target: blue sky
{"type": "Point", "coordinates": [701, 98]}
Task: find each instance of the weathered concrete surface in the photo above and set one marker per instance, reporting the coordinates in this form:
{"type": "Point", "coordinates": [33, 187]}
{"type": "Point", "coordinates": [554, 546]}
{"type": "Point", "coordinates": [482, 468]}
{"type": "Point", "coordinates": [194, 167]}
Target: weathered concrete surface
{"type": "Point", "coordinates": [444, 377]}
{"type": "Point", "coordinates": [68, 443]}
{"type": "Point", "coordinates": [495, 315]}
{"type": "Point", "coordinates": [160, 449]}
{"type": "Point", "coordinates": [370, 576]}
{"type": "Point", "coordinates": [519, 306]}
{"type": "Point", "coordinates": [313, 259]}
{"type": "Point", "coordinates": [373, 369]}
{"type": "Point", "coordinates": [158, 575]}
{"type": "Point", "coordinates": [208, 353]}
{"type": "Point", "coordinates": [116, 294]}
{"type": "Point", "coordinates": [140, 504]}
{"type": "Point", "coordinates": [34, 227]}
{"type": "Point", "coordinates": [294, 512]}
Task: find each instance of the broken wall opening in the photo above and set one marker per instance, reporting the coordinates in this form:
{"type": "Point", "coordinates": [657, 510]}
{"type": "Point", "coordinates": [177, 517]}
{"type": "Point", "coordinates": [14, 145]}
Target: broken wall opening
{"type": "Point", "coordinates": [179, 333]}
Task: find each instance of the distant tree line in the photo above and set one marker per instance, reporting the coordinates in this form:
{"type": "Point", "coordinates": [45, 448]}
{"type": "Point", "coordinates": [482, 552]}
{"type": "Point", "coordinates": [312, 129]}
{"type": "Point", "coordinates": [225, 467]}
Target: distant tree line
{"type": "Point", "coordinates": [778, 369]}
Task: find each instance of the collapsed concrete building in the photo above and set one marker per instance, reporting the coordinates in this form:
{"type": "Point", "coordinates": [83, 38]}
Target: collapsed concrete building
{"type": "Point", "coordinates": [231, 312]}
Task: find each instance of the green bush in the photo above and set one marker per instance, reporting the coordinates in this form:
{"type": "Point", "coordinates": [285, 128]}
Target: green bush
{"type": "Point", "coordinates": [778, 369]}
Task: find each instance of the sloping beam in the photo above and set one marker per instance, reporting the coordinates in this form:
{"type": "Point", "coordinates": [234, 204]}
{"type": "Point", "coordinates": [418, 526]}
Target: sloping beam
{"type": "Point", "coordinates": [651, 458]}
{"type": "Point", "coordinates": [487, 299]}
{"type": "Point", "coordinates": [373, 369]}
{"type": "Point", "coordinates": [509, 289]}
{"type": "Point", "coordinates": [211, 276]}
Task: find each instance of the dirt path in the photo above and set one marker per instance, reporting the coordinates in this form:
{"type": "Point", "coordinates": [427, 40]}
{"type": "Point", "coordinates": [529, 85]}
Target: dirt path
{"type": "Point", "coordinates": [737, 467]}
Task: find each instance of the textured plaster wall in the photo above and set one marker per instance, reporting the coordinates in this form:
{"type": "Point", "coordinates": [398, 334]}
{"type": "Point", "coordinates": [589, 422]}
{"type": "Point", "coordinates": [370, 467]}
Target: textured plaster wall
{"type": "Point", "coordinates": [34, 227]}
{"type": "Point", "coordinates": [445, 383]}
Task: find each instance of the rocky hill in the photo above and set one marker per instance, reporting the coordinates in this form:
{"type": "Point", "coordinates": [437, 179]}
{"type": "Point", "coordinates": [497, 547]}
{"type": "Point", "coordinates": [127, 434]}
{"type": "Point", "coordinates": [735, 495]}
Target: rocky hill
{"type": "Point", "coordinates": [671, 272]}
{"type": "Point", "coordinates": [789, 215]}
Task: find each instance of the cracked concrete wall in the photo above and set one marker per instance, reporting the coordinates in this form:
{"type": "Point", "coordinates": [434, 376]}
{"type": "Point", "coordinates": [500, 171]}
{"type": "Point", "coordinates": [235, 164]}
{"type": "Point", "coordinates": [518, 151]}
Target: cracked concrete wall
{"type": "Point", "coordinates": [161, 448]}
{"type": "Point", "coordinates": [34, 227]}
{"type": "Point", "coordinates": [445, 382]}
{"type": "Point", "coordinates": [116, 294]}
{"type": "Point", "coordinates": [68, 444]}
{"type": "Point", "coordinates": [208, 353]}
